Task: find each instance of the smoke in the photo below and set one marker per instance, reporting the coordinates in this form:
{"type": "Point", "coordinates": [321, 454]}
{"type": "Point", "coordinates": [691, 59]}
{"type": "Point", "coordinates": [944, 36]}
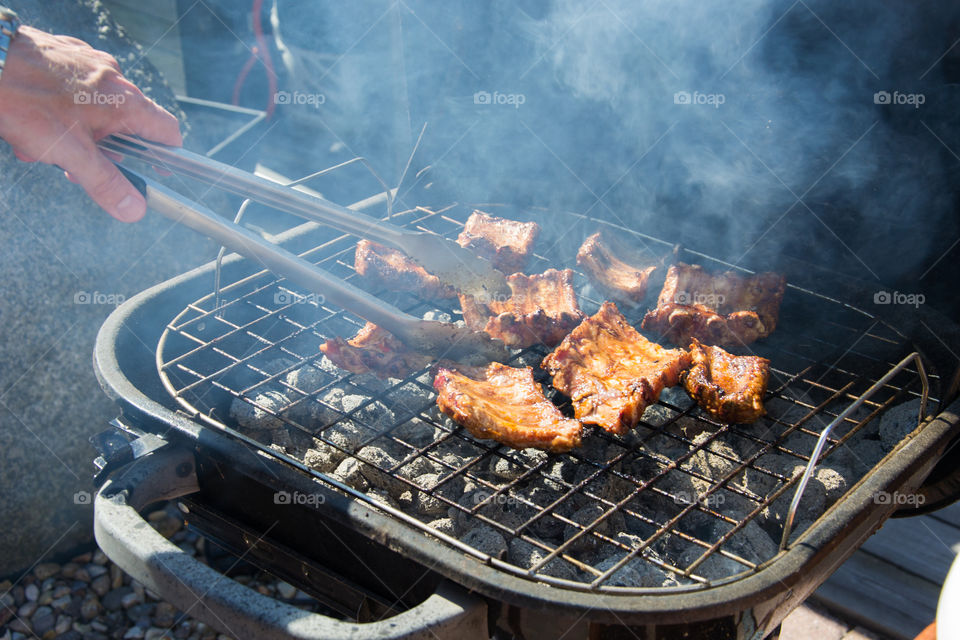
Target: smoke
{"type": "Point", "coordinates": [816, 129]}
{"type": "Point", "coordinates": [768, 124]}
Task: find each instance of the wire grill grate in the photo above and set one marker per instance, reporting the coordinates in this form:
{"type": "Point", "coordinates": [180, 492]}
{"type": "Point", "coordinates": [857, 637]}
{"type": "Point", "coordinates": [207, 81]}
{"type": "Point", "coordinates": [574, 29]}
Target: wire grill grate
{"type": "Point", "coordinates": [682, 501]}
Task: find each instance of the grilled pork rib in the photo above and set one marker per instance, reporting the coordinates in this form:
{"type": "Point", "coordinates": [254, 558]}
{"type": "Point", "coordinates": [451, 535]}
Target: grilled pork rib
{"type": "Point", "coordinates": [504, 404]}
{"type": "Point", "coordinates": [720, 309]}
{"type": "Point", "coordinates": [613, 276]}
{"type": "Point", "coordinates": [506, 243]}
{"type": "Point", "coordinates": [611, 372]}
{"type": "Point", "coordinates": [542, 308]}
{"type": "Point", "coordinates": [374, 350]}
{"type": "Point", "coordinates": [728, 387]}
{"type": "Point", "coordinates": [392, 269]}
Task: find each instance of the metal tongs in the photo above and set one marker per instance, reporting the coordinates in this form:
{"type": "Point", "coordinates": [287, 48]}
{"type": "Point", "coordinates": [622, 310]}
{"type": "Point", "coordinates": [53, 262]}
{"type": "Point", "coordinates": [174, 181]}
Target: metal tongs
{"type": "Point", "coordinates": [447, 260]}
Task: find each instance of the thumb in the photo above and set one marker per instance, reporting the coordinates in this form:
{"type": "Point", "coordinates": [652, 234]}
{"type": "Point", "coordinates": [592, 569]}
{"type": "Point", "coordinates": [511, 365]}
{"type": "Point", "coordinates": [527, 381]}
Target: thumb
{"type": "Point", "coordinates": [104, 183]}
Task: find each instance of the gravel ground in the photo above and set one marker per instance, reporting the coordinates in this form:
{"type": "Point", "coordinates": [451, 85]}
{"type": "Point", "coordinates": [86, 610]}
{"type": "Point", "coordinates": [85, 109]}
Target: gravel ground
{"type": "Point", "coordinates": [90, 598]}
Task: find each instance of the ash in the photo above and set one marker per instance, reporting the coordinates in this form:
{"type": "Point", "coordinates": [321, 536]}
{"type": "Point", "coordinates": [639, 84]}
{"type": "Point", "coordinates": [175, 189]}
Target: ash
{"type": "Point", "coordinates": [678, 500]}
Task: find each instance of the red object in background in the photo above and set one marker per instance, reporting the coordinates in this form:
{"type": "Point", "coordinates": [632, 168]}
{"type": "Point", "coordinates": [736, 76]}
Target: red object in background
{"type": "Point", "coordinates": [260, 52]}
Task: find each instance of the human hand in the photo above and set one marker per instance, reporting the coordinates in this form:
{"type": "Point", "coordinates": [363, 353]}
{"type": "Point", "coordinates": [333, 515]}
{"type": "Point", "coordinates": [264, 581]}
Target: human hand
{"type": "Point", "coordinates": [58, 96]}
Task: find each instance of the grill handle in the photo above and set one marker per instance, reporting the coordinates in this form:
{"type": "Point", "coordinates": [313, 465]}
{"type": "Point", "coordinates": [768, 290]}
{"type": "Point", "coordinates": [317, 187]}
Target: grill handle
{"type": "Point", "coordinates": [822, 440]}
{"type": "Point", "coordinates": [196, 589]}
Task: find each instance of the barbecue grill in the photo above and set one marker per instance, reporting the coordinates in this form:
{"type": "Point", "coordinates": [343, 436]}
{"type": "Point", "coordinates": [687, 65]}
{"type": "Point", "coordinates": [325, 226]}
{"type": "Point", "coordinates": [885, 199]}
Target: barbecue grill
{"type": "Point", "coordinates": [361, 493]}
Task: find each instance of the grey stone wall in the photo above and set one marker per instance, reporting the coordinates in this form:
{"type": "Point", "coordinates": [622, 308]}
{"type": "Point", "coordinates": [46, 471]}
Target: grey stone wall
{"type": "Point", "coordinates": [63, 262]}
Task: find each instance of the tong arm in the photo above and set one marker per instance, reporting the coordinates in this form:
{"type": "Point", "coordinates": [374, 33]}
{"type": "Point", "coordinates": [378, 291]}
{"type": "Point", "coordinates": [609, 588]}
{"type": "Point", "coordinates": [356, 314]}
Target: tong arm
{"type": "Point", "coordinates": [438, 338]}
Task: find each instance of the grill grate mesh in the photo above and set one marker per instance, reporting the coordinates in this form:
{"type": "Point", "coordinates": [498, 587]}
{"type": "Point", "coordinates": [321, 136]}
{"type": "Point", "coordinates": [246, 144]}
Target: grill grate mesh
{"type": "Point", "coordinates": [681, 502]}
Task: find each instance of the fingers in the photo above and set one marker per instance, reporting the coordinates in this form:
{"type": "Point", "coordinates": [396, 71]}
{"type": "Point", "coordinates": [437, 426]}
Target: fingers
{"type": "Point", "coordinates": [23, 156]}
{"type": "Point", "coordinates": [113, 156]}
{"type": "Point", "coordinates": [157, 124]}
{"type": "Point", "coordinates": [86, 165]}
{"type": "Point", "coordinates": [140, 116]}
{"type": "Point", "coordinates": [108, 188]}
{"type": "Point", "coordinates": [143, 117]}
{"type": "Point", "coordinates": [45, 119]}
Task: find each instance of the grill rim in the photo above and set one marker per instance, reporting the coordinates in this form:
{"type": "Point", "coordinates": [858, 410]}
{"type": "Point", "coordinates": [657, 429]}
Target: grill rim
{"type": "Point", "coordinates": [767, 584]}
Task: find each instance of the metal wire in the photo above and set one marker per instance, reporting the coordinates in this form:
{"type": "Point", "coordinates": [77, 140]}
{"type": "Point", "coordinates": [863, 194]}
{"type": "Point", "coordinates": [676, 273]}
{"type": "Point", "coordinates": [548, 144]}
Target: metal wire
{"type": "Point", "coordinates": [222, 252]}
{"type": "Point", "coordinates": [214, 354]}
{"type": "Point", "coordinates": [822, 440]}
{"type": "Point", "coordinates": [387, 191]}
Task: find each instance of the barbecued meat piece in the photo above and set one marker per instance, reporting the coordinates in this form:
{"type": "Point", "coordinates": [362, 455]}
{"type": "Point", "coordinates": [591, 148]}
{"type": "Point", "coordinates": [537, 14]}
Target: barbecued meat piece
{"type": "Point", "coordinates": [394, 269]}
{"type": "Point", "coordinates": [721, 309]}
{"type": "Point", "coordinates": [541, 308]}
{"type": "Point", "coordinates": [615, 277]}
{"type": "Point", "coordinates": [728, 387]}
{"type": "Point", "coordinates": [506, 243]}
{"type": "Point", "coordinates": [374, 350]}
{"type": "Point", "coordinates": [611, 372]}
{"type": "Point", "coordinates": [505, 404]}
